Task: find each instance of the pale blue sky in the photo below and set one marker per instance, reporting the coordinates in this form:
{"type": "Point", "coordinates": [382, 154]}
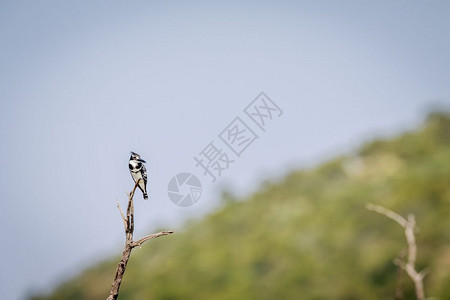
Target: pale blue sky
{"type": "Point", "coordinates": [82, 84]}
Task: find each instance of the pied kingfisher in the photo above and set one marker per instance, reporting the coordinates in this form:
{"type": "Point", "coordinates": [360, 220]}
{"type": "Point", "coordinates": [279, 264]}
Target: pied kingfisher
{"type": "Point", "coordinates": [138, 171]}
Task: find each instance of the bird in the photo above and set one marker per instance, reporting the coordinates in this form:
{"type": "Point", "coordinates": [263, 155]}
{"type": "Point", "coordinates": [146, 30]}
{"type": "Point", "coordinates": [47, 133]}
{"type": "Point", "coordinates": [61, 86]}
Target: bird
{"type": "Point", "coordinates": [138, 171]}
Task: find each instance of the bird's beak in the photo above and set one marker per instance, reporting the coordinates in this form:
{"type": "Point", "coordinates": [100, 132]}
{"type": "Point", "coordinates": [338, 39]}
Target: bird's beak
{"type": "Point", "coordinates": [141, 160]}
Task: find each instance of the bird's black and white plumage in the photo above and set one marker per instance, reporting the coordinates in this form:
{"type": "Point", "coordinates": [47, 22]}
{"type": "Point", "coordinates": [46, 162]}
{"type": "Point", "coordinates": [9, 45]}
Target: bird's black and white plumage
{"type": "Point", "coordinates": [138, 171]}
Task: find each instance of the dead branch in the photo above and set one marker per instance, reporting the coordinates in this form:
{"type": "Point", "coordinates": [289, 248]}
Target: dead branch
{"type": "Point", "coordinates": [408, 266]}
{"type": "Point", "coordinates": [128, 222]}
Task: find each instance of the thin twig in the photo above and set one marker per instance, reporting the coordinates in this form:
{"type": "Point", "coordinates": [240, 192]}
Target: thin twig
{"type": "Point", "coordinates": [129, 243]}
{"type": "Point", "coordinates": [388, 213]}
{"type": "Point", "coordinates": [149, 237]}
{"type": "Point", "coordinates": [123, 215]}
{"type": "Point", "coordinates": [408, 266]}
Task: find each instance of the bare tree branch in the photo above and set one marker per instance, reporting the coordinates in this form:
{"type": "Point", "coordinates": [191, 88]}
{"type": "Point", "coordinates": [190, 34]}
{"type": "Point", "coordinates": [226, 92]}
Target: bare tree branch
{"type": "Point", "coordinates": [129, 243]}
{"type": "Point", "coordinates": [149, 237]}
{"type": "Point", "coordinates": [123, 215]}
{"type": "Point", "coordinates": [388, 213]}
{"type": "Point", "coordinates": [408, 266]}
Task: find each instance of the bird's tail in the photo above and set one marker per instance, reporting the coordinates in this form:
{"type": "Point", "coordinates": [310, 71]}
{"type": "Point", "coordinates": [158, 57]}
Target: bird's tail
{"type": "Point", "coordinates": [145, 196]}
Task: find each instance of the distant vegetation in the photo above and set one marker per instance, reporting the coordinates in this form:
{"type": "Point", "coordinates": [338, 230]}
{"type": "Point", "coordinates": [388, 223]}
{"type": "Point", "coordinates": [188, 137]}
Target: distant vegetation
{"type": "Point", "coordinates": [307, 236]}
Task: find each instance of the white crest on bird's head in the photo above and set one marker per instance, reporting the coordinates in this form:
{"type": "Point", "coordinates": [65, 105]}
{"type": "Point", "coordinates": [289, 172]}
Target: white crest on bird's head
{"type": "Point", "coordinates": [135, 156]}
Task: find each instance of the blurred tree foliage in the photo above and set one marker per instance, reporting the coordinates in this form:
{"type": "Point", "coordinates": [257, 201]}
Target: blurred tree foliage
{"type": "Point", "coordinates": [308, 236]}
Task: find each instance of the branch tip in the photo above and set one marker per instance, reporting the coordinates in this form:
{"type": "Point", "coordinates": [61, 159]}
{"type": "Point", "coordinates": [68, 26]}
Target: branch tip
{"type": "Point", "coordinates": [409, 225]}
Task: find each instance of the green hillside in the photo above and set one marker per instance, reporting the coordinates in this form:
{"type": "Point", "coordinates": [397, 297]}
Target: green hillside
{"type": "Point", "coordinates": [307, 236]}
